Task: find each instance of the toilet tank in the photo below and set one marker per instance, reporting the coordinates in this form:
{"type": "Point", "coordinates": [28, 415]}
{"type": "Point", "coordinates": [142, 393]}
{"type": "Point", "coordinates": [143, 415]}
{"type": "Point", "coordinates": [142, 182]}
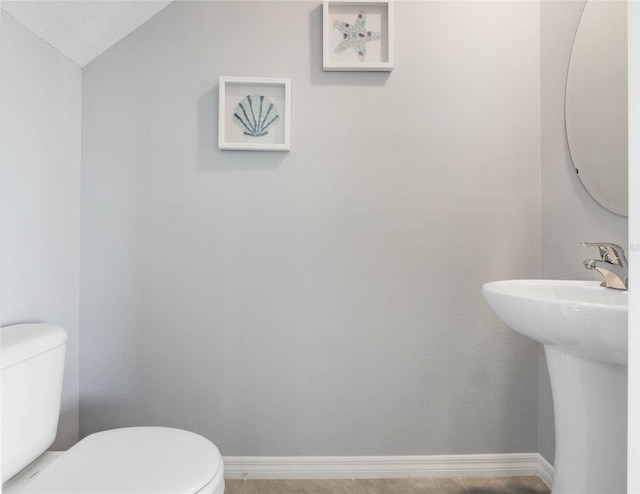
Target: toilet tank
{"type": "Point", "coordinates": [32, 371]}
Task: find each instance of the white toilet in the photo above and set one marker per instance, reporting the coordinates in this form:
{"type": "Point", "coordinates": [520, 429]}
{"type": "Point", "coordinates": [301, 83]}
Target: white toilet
{"type": "Point", "coordinates": [134, 460]}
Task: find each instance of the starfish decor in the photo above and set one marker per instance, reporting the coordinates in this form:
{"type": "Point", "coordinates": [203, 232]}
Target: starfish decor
{"type": "Point", "coordinates": [355, 35]}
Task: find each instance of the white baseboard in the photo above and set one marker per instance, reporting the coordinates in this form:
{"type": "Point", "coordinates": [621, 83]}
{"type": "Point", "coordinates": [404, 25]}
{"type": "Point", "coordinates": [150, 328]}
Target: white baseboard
{"type": "Point", "coordinates": [360, 467]}
{"type": "Point", "coordinates": [545, 471]}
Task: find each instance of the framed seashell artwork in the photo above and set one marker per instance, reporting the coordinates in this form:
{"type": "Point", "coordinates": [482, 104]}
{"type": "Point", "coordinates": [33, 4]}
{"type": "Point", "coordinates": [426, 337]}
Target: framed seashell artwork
{"type": "Point", "coordinates": [254, 114]}
{"type": "Point", "coordinates": [357, 35]}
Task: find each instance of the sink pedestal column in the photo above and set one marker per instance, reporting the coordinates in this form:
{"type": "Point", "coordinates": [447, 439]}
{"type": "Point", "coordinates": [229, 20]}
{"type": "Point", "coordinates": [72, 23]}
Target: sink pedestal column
{"type": "Point", "coordinates": [590, 410]}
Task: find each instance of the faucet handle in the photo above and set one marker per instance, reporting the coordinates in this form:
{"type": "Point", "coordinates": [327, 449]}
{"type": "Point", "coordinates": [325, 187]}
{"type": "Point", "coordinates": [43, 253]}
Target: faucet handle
{"type": "Point", "coordinates": [611, 253]}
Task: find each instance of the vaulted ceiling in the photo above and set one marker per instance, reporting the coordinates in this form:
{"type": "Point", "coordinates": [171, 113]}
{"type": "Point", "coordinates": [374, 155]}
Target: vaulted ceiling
{"type": "Point", "coordinates": [82, 29]}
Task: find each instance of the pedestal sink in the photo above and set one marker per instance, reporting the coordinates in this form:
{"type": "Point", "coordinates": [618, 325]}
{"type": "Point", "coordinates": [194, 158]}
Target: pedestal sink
{"type": "Point", "coordinates": [583, 328]}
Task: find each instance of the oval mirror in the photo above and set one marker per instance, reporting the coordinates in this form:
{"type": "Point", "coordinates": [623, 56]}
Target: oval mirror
{"type": "Point", "coordinates": [596, 103]}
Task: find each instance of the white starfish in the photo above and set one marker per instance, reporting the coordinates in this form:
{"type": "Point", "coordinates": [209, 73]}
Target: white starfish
{"type": "Point", "coordinates": [355, 35]}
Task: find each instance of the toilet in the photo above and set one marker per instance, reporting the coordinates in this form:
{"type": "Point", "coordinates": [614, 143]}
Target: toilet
{"type": "Point", "coordinates": [132, 460]}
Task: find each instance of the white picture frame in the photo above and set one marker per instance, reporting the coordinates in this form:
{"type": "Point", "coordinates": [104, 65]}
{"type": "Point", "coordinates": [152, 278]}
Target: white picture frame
{"type": "Point", "coordinates": [247, 107]}
{"type": "Point", "coordinates": [376, 31]}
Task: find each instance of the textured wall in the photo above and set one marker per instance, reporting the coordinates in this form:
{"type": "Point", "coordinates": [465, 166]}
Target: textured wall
{"type": "Point", "coordinates": [325, 301]}
{"type": "Point", "coordinates": [40, 100]}
{"type": "Point", "coordinates": [569, 214]}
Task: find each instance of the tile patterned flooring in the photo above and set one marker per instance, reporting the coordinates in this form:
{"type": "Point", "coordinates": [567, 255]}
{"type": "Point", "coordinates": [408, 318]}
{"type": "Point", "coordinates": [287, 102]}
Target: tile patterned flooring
{"type": "Point", "coordinates": [460, 485]}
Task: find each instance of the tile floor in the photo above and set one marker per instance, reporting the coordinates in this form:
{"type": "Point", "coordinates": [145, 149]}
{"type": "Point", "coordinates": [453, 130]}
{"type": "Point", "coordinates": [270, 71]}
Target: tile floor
{"type": "Point", "coordinates": [461, 485]}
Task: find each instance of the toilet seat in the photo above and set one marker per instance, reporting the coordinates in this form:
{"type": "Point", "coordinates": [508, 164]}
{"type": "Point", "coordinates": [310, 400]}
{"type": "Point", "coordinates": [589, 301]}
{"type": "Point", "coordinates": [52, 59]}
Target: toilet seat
{"type": "Point", "coordinates": [134, 460]}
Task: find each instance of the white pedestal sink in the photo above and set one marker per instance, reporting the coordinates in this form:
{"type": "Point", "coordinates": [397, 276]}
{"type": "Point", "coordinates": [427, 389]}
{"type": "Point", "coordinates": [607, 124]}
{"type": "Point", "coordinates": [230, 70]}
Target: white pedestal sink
{"type": "Point", "coordinates": [583, 328]}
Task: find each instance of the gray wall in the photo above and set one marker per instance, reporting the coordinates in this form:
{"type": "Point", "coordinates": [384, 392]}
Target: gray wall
{"type": "Point", "coordinates": [324, 301]}
{"type": "Point", "coordinates": [568, 215]}
{"type": "Point", "coordinates": [40, 111]}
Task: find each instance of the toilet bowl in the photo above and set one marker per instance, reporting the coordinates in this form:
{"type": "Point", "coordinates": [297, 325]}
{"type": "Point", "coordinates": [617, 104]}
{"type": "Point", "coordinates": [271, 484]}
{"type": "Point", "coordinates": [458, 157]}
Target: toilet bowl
{"type": "Point", "coordinates": [133, 460]}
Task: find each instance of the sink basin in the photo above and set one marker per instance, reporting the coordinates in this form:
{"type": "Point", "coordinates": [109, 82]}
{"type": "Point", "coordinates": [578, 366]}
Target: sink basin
{"type": "Point", "coordinates": [583, 328]}
{"type": "Point", "coordinates": [580, 317]}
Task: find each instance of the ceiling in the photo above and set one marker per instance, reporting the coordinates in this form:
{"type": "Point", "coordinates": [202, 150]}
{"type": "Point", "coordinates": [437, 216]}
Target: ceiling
{"type": "Point", "coordinates": [82, 29]}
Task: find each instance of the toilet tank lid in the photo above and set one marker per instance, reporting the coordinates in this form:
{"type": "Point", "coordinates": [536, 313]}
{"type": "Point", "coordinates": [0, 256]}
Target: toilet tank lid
{"type": "Point", "coordinates": [20, 342]}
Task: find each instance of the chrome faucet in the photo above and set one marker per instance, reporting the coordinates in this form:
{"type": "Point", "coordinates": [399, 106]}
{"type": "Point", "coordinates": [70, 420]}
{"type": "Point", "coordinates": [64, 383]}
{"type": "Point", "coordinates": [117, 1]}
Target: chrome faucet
{"type": "Point", "coordinates": [612, 265]}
